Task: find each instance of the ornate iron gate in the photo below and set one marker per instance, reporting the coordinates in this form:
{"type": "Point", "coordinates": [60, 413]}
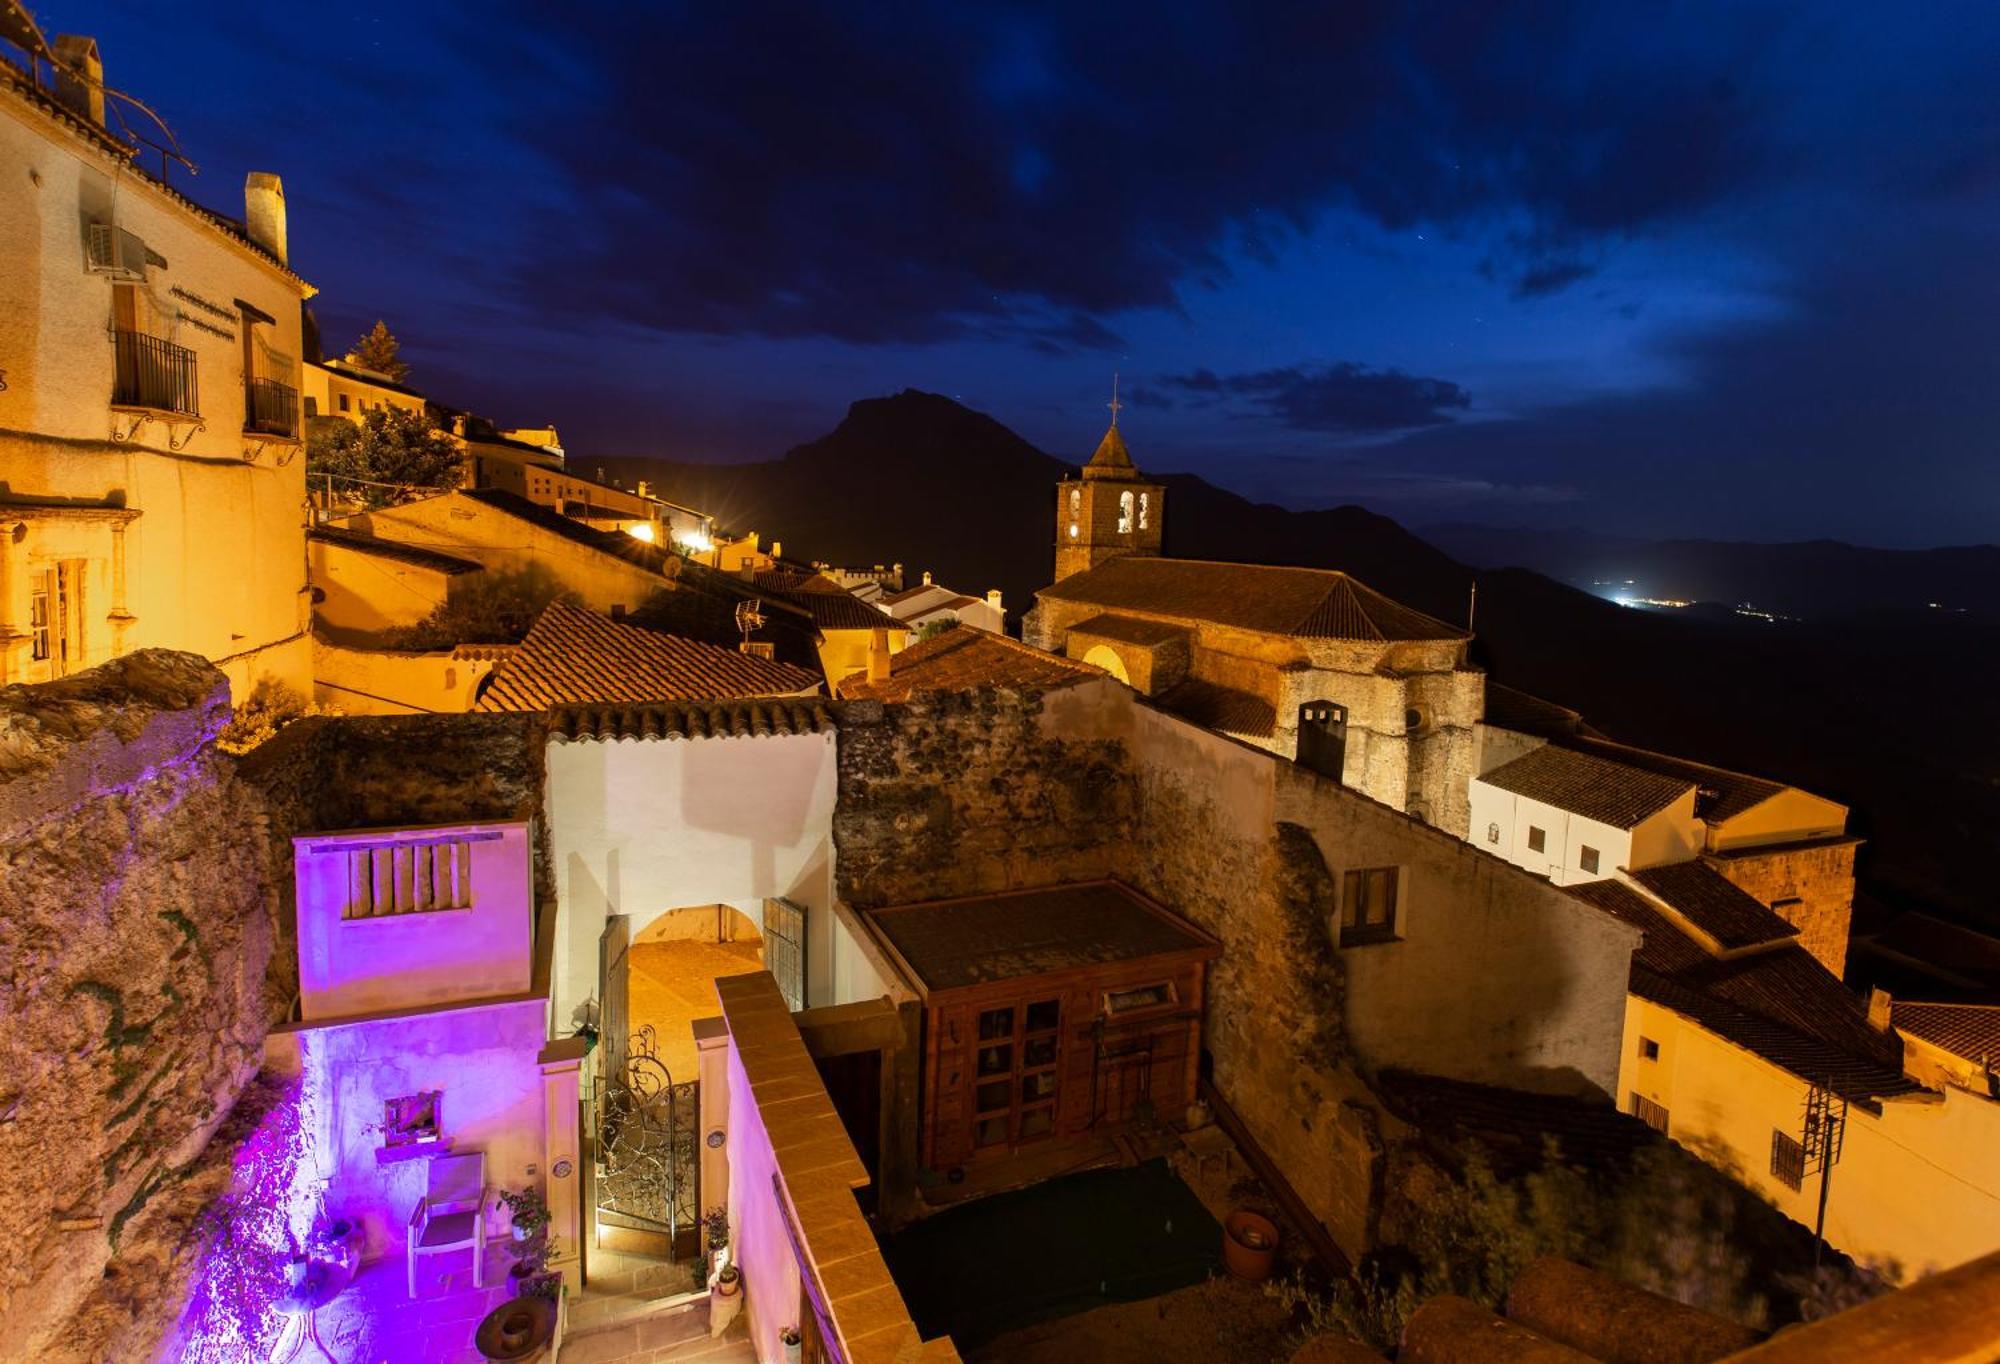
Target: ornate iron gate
{"type": "Point", "coordinates": [648, 1152]}
{"type": "Point", "coordinates": [785, 949]}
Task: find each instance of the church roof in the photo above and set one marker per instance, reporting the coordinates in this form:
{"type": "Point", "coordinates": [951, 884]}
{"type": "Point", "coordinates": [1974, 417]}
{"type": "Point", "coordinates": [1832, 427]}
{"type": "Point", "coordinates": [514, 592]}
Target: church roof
{"type": "Point", "coordinates": [572, 655]}
{"type": "Point", "coordinates": [1715, 904]}
{"type": "Point", "coordinates": [1610, 793]}
{"type": "Point", "coordinates": [1213, 706]}
{"type": "Point", "coordinates": [1112, 459]}
{"type": "Point", "coordinates": [964, 659]}
{"type": "Point", "coordinates": [1306, 603]}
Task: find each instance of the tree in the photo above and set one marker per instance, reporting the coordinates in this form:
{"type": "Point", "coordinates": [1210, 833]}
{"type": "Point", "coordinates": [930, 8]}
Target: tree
{"type": "Point", "coordinates": [392, 456]}
{"type": "Point", "coordinates": [494, 608]}
{"type": "Point", "coordinates": [932, 629]}
{"type": "Point", "coordinates": [378, 351]}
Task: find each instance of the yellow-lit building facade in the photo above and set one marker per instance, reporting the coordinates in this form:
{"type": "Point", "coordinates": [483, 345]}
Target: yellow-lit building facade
{"type": "Point", "coordinates": [341, 388]}
{"type": "Point", "coordinates": [152, 478]}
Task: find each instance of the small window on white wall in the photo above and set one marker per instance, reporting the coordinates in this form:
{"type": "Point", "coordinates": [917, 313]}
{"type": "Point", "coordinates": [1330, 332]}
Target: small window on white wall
{"type": "Point", "coordinates": [1538, 839]}
{"type": "Point", "coordinates": [1493, 833]}
{"type": "Point", "coordinates": [1587, 859]}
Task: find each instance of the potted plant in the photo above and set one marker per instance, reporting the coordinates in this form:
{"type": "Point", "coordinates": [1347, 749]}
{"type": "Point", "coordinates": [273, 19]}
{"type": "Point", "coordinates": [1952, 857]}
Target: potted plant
{"type": "Point", "coordinates": [1249, 1244]}
{"type": "Point", "coordinates": [790, 1339]}
{"type": "Point", "coordinates": [715, 1222]}
{"type": "Point", "coordinates": [728, 1281]}
{"type": "Point", "coordinates": [529, 1211]}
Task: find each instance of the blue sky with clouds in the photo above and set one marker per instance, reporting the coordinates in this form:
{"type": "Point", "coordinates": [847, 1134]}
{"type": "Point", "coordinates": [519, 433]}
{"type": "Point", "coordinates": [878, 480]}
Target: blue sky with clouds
{"type": "Point", "coordinates": [1725, 269]}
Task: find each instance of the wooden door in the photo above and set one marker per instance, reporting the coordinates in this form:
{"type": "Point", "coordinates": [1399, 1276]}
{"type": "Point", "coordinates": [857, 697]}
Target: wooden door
{"type": "Point", "coordinates": [614, 1024]}
{"type": "Point", "coordinates": [1124, 1080]}
{"type": "Point", "coordinates": [785, 949]}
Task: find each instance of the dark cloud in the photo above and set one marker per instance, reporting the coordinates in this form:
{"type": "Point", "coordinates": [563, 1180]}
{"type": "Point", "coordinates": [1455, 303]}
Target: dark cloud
{"type": "Point", "coordinates": [1343, 399]}
{"type": "Point", "coordinates": [914, 173]}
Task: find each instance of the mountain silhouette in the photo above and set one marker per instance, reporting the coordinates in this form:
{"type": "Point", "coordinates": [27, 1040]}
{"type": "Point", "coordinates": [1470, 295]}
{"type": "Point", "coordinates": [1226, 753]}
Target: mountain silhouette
{"type": "Point", "coordinates": [1889, 715]}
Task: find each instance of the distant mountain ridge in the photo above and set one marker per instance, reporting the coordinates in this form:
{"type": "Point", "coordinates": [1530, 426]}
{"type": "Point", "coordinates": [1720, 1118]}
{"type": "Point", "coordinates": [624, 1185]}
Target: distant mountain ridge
{"type": "Point", "coordinates": [1817, 578]}
{"type": "Point", "coordinates": [1886, 715]}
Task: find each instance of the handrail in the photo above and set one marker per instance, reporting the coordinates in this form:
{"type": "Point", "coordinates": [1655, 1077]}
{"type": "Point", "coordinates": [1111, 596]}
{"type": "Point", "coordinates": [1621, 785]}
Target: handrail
{"type": "Point", "coordinates": [152, 372]}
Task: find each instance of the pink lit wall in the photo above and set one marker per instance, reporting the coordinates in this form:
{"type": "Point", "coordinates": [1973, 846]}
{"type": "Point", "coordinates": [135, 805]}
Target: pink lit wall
{"type": "Point", "coordinates": [350, 966]}
{"type": "Point", "coordinates": [757, 1237]}
{"type": "Point", "coordinates": [484, 1060]}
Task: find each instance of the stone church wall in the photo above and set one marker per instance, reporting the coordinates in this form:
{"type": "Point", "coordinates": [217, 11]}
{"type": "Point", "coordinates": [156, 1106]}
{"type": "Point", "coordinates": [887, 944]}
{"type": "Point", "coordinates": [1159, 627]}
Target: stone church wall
{"type": "Point", "coordinates": [1810, 886]}
{"type": "Point", "coordinates": [135, 928]}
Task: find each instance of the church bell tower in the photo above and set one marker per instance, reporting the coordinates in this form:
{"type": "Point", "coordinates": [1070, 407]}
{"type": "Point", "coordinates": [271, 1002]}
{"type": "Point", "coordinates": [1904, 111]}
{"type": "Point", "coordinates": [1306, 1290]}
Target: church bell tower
{"type": "Point", "coordinates": [1109, 511]}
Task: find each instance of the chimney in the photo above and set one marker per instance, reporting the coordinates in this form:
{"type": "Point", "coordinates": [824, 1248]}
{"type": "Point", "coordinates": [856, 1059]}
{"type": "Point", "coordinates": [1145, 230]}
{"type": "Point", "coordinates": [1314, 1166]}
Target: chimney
{"type": "Point", "coordinates": [80, 76]}
{"type": "Point", "coordinates": [264, 212]}
{"type": "Point", "coordinates": [878, 654]}
{"type": "Point", "coordinates": [1878, 1009]}
{"type": "Point", "coordinates": [993, 600]}
{"type": "Point", "coordinates": [777, 549]}
{"type": "Point", "coordinates": [927, 577]}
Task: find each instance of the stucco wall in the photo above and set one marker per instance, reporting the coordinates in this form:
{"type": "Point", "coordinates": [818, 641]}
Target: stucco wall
{"type": "Point", "coordinates": [371, 593]}
{"type": "Point", "coordinates": [137, 922]}
{"type": "Point", "coordinates": [469, 529]}
{"type": "Point", "coordinates": [215, 564]}
{"type": "Point", "coordinates": [641, 827]}
{"type": "Point", "coordinates": [351, 966]}
{"type": "Point", "coordinates": [1916, 1184]}
{"type": "Point", "coordinates": [382, 682]}
{"type": "Point", "coordinates": [482, 1059]}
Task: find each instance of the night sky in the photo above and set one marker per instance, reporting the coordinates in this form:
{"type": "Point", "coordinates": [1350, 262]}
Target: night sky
{"type": "Point", "coordinates": [1727, 269]}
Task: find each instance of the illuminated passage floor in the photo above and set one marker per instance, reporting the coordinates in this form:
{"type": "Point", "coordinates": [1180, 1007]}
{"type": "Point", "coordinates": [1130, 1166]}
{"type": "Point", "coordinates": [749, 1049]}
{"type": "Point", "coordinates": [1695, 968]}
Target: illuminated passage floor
{"type": "Point", "coordinates": [673, 983]}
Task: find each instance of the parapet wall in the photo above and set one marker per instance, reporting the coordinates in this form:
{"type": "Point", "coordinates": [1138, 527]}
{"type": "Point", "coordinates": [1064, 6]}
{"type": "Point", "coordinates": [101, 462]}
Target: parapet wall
{"type": "Point", "coordinates": [135, 930]}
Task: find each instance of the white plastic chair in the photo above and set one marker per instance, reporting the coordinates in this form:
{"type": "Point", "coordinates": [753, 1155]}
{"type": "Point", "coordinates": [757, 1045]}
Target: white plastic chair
{"type": "Point", "coordinates": [452, 1214]}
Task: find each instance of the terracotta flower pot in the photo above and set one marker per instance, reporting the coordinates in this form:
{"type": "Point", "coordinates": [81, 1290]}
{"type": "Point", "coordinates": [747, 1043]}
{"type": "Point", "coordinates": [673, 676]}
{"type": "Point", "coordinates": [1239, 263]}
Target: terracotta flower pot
{"type": "Point", "coordinates": [1249, 1244]}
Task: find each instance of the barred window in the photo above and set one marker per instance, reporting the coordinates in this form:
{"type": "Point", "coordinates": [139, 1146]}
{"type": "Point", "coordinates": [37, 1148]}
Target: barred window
{"type": "Point", "coordinates": [1646, 1111]}
{"type": "Point", "coordinates": [408, 878]}
{"type": "Point", "coordinates": [1788, 1160]}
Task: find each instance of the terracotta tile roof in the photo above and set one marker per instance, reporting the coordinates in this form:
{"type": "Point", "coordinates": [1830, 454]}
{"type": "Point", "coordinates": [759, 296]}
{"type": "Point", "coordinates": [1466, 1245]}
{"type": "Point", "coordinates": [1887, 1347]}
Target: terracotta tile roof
{"type": "Point", "coordinates": [1610, 793]}
{"type": "Point", "coordinates": [964, 659]}
{"type": "Point", "coordinates": [1968, 1030]}
{"type": "Point", "coordinates": [573, 655]}
{"type": "Point", "coordinates": [1517, 710]}
{"type": "Point", "coordinates": [785, 579]}
{"type": "Point", "coordinates": [845, 612]}
{"type": "Point", "coordinates": [1220, 708]}
{"type": "Point", "coordinates": [973, 941]}
{"type": "Point", "coordinates": [912, 593]}
{"type": "Point", "coordinates": [1130, 629]}
{"type": "Point", "coordinates": [1715, 904]}
{"type": "Point", "coordinates": [692, 720]}
{"type": "Point", "coordinates": [1780, 1004]}
{"type": "Point", "coordinates": [449, 564]}
{"type": "Point", "coordinates": [616, 543]}
{"type": "Point", "coordinates": [1306, 603]}
{"type": "Point", "coordinates": [1722, 794]}
{"type": "Point", "coordinates": [1511, 1126]}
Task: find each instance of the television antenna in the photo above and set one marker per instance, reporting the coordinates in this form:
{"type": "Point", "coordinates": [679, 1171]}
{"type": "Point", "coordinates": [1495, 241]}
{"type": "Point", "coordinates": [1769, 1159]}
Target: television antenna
{"type": "Point", "coordinates": [749, 617]}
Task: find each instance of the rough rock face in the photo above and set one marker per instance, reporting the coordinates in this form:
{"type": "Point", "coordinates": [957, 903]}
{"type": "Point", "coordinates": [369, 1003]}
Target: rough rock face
{"type": "Point", "coordinates": [134, 936]}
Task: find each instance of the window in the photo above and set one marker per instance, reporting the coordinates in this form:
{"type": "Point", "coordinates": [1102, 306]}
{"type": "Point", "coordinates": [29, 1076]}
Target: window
{"type": "Point", "coordinates": [1538, 839]}
{"type": "Point", "coordinates": [1144, 499]}
{"type": "Point", "coordinates": [1140, 997]}
{"type": "Point", "coordinates": [1587, 859]}
{"type": "Point", "coordinates": [1368, 905]}
{"type": "Point", "coordinates": [1649, 1050]}
{"type": "Point", "coordinates": [1788, 1160]}
{"type": "Point", "coordinates": [312, 407]}
{"type": "Point", "coordinates": [1646, 1111]}
{"type": "Point", "coordinates": [1493, 833]}
{"type": "Point", "coordinates": [38, 622]}
{"type": "Point", "coordinates": [408, 878]}
{"type": "Point", "coordinates": [1124, 513]}
{"type": "Point", "coordinates": [346, 403]}
{"type": "Point", "coordinates": [412, 1119]}
{"type": "Point", "coordinates": [1015, 1073]}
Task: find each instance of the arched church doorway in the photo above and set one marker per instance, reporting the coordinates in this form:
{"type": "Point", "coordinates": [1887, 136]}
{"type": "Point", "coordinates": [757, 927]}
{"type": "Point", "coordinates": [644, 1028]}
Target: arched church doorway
{"type": "Point", "coordinates": [1105, 657]}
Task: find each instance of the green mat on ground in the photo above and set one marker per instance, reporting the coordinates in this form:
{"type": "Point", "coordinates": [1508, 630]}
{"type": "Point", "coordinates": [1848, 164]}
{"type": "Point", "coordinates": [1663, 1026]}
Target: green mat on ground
{"type": "Point", "coordinates": [1001, 1263]}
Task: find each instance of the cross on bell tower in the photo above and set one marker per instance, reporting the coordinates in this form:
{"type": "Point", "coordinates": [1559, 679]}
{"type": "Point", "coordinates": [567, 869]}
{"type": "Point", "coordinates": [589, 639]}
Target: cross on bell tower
{"type": "Point", "coordinates": [1111, 510]}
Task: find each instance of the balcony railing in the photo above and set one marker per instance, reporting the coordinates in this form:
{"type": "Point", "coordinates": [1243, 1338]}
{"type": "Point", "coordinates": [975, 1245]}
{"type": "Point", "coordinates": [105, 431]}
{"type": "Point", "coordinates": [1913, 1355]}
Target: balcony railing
{"type": "Point", "coordinates": [155, 374]}
{"type": "Point", "coordinates": [271, 408]}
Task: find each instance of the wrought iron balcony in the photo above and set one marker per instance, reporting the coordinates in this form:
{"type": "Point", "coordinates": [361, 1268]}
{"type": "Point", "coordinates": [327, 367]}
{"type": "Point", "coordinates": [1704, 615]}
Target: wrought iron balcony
{"type": "Point", "coordinates": [155, 374]}
{"type": "Point", "coordinates": [271, 408]}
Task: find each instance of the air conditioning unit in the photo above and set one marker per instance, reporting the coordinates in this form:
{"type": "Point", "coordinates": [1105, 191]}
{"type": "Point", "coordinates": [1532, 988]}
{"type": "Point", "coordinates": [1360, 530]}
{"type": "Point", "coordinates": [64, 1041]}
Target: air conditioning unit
{"type": "Point", "coordinates": [113, 251]}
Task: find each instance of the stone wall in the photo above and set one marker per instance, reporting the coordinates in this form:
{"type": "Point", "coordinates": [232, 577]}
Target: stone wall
{"type": "Point", "coordinates": [959, 793]}
{"type": "Point", "coordinates": [1809, 885]}
{"type": "Point", "coordinates": [1494, 978]}
{"type": "Point", "coordinates": [134, 934]}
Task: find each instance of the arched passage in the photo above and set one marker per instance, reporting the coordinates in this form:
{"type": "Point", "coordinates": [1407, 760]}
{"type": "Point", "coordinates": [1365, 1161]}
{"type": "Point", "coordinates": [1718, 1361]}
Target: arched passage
{"type": "Point", "coordinates": [674, 962]}
{"type": "Point", "coordinates": [1105, 657]}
